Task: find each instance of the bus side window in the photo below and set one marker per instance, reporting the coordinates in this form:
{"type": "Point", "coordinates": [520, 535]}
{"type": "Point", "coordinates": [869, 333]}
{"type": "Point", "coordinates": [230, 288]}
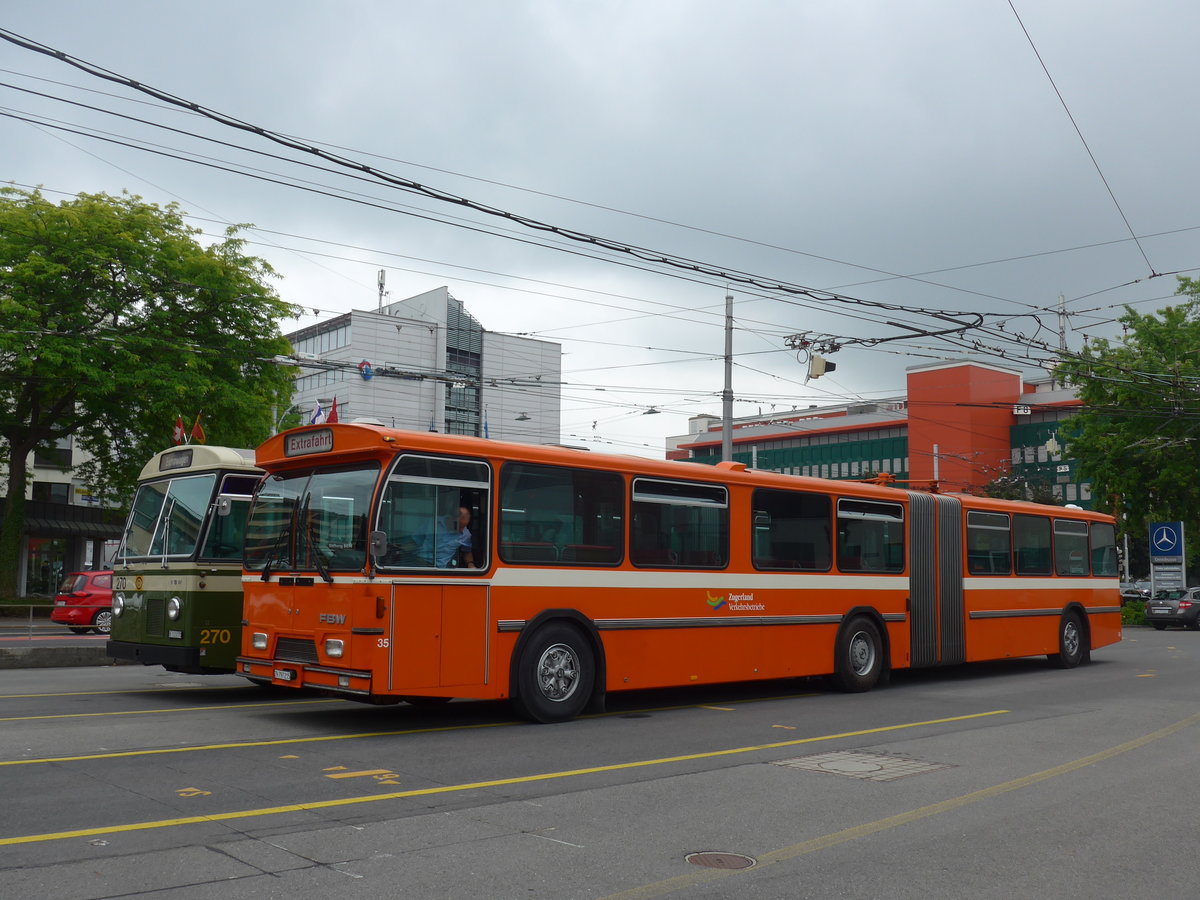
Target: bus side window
{"type": "Point", "coordinates": [227, 534]}
{"type": "Point", "coordinates": [433, 511]}
{"type": "Point", "coordinates": [1070, 547]}
{"type": "Point", "coordinates": [1104, 549]}
{"type": "Point", "coordinates": [550, 515]}
{"type": "Point", "coordinates": [988, 544]}
{"type": "Point", "coordinates": [679, 525]}
{"type": "Point", "coordinates": [870, 535]}
{"type": "Point", "coordinates": [792, 530]}
{"type": "Point", "coordinates": [1031, 544]}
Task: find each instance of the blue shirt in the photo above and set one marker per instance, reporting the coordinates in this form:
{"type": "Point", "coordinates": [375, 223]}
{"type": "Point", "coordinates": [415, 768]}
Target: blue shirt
{"type": "Point", "coordinates": [447, 543]}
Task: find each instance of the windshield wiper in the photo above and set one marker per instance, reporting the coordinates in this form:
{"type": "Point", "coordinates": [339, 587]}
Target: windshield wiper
{"type": "Point", "coordinates": [166, 530]}
{"type": "Point", "coordinates": [283, 533]}
{"type": "Point", "coordinates": [322, 569]}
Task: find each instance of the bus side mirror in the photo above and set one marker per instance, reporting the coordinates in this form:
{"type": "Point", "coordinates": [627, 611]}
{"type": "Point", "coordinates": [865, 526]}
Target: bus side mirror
{"type": "Point", "coordinates": [224, 506]}
{"type": "Point", "coordinates": [378, 544]}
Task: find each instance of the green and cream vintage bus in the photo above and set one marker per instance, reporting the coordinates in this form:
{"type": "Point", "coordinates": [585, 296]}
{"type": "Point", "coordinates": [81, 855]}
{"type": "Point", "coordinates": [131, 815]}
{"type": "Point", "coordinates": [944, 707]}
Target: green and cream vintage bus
{"type": "Point", "coordinates": [177, 577]}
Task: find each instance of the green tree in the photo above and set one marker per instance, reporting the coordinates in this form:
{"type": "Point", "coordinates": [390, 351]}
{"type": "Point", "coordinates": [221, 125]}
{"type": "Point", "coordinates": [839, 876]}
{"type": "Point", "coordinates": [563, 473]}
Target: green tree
{"type": "Point", "coordinates": [1018, 487]}
{"type": "Point", "coordinates": [1138, 433]}
{"type": "Point", "coordinates": [115, 320]}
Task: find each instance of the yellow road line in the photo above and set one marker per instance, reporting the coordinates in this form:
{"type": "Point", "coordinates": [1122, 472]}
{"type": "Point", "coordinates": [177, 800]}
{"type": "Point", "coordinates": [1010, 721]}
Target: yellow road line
{"type": "Point", "coordinates": [671, 885]}
{"type": "Point", "coordinates": [159, 690]}
{"type": "Point", "coordinates": [173, 709]}
{"type": "Point", "coordinates": [478, 785]}
{"type": "Point", "coordinates": [236, 745]}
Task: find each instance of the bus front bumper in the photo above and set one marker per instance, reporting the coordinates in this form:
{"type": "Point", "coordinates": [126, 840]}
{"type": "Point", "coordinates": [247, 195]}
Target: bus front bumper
{"type": "Point", "coordinates": [184, 659]}
{"type": "Point", "coordinates": [288, 673]}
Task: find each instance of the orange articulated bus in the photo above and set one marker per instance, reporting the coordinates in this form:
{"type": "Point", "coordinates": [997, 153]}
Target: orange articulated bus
{"type": "Point", "coordinates": [386, 565]}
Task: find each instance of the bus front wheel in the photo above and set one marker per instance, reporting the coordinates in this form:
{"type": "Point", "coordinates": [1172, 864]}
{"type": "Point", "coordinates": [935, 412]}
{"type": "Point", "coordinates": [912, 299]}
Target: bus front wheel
{"type": "Point", "coordinates": [858, 660]}
{"type": "Point", "coordinates": [555, 674]}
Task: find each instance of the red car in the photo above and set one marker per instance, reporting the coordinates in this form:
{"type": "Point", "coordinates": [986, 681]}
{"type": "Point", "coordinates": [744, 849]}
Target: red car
{"type": "Point", "coordinates": [84, 602]}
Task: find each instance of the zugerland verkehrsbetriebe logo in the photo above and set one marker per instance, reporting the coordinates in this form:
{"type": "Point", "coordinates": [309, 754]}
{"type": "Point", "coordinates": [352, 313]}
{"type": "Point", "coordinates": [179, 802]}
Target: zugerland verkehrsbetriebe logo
{"type": "Point", "coordinates": [734, 602]}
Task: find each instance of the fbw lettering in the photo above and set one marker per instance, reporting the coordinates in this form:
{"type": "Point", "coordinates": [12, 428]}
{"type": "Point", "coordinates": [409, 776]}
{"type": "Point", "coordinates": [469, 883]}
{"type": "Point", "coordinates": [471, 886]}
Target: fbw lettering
{"type": "Point", "coordinates": [332, 619]}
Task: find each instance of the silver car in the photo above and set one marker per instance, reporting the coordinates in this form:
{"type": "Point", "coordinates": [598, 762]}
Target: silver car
{"type": "Point", "coordinates": [1130, 591]}
{"type": "Point", "coordinates": [1174, 607]}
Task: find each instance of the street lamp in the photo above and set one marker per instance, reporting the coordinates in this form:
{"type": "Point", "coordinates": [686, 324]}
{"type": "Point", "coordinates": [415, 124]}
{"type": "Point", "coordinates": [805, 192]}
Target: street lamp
{"type": "Point", "coordinates": [283, 415]}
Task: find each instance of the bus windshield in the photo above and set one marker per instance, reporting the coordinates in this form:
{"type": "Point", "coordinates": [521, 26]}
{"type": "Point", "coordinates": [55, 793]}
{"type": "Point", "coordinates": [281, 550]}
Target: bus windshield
{"type": "Point", "coordinates": [167, 517]}
{"type": "Point", "coordinates": [311, 520]}
{"type": "Point", "coordinates": [226, 530]}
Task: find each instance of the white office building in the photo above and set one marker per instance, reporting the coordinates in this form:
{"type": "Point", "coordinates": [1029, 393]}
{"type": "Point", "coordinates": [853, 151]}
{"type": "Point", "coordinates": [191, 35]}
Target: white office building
{"type": "Point", "coordinates": [427, 364]}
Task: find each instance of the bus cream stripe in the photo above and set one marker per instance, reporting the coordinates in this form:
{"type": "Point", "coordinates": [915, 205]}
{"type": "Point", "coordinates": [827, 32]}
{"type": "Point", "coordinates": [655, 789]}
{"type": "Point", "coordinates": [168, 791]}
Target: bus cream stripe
{"type": "Point", "coordinates": [230, 580]}
{"type": "Point", "coordinates": [617, 578]}
{"type": "Point", "coordinates": [1020, 582]}
{"type": "Point", "coordinates": [553, 576]}
{"type": "Point", "coordinates": [741, 581]}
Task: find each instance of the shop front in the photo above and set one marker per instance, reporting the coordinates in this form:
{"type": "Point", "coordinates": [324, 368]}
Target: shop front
{"type": "Point", "coordinates": [61, 538]}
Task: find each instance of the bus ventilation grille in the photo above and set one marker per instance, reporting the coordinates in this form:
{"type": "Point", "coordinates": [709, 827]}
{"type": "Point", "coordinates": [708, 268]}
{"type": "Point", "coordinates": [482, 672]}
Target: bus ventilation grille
{"type": "Point", "coordinates": [156, 616]}
{"type": "Point", "coordinates": [296, 650]}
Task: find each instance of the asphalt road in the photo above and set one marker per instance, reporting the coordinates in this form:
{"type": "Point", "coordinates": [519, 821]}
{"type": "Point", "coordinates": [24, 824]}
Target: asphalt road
{"type": "Point", "coordinates": [999, 780]}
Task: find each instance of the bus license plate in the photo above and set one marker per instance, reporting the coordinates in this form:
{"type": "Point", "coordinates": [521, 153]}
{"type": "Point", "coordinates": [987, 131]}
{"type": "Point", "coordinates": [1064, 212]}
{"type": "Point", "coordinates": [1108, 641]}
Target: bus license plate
{"type": "Point", "coordinates": [284, 674]}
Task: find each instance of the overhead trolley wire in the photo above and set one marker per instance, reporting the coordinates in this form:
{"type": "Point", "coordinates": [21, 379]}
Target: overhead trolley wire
{"type": "Point", "coordinates": [643, 254]}
{"type": "Point", "coordinates": [1083, 140]}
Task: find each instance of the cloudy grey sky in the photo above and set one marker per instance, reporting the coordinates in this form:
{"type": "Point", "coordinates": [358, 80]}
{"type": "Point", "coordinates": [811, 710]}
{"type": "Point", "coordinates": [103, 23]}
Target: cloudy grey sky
{"type": "Point", "coordinates": [827, 145]}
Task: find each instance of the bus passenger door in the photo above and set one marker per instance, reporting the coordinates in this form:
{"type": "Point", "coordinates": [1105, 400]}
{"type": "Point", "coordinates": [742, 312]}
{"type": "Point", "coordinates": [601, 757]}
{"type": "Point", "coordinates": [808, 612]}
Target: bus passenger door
{"type": "Point", "coordinates": [438, 635]}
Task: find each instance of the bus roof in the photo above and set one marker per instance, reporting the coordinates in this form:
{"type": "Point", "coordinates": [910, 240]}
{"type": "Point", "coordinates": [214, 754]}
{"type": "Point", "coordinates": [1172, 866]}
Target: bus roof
{"type": "Point", "coordinates": [197, 457]}
{"type": "Point", "coordinates": [298, 447]}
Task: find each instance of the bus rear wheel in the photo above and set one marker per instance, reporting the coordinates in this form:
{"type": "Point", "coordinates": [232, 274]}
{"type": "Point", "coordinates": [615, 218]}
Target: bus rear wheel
{"type": "Point", "coordinates": [1072, 648]}
{"type": "Point", "coordinates": [858, 659]}
{"type": "Point", "coordinates": [555, 674]}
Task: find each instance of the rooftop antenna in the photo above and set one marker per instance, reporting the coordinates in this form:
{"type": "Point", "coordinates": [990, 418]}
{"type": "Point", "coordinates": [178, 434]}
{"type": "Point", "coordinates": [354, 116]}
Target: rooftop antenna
{"type": "Point", "coordinates": [382, 279]}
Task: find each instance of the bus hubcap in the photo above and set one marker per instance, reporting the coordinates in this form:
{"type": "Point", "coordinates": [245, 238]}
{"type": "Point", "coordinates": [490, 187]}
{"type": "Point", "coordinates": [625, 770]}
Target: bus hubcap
{"type": "Point", "coordinates": [558, 672]}
{"type": "Point", "coordinates": [862, 654]}
{"type": "Point", "coordinates": [1071, 639]}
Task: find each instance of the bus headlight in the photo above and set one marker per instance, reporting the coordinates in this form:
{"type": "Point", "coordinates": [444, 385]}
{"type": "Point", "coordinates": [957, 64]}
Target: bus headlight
{"type": "Point", "coordinates": [118, 604]}
{"type": "Point", "coordinates": [258, 641]}
{"type": "Point", "coordinates": [334, 648]}
{"type": "Point", "coordinates": [174, 608]}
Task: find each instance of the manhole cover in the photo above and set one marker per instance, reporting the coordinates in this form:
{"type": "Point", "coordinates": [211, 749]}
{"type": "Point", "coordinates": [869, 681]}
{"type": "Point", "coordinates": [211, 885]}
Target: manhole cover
{"type": "Point", "coordinates": [714, 859]}
{"type": "Point", "coordinates": [858, 764]}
